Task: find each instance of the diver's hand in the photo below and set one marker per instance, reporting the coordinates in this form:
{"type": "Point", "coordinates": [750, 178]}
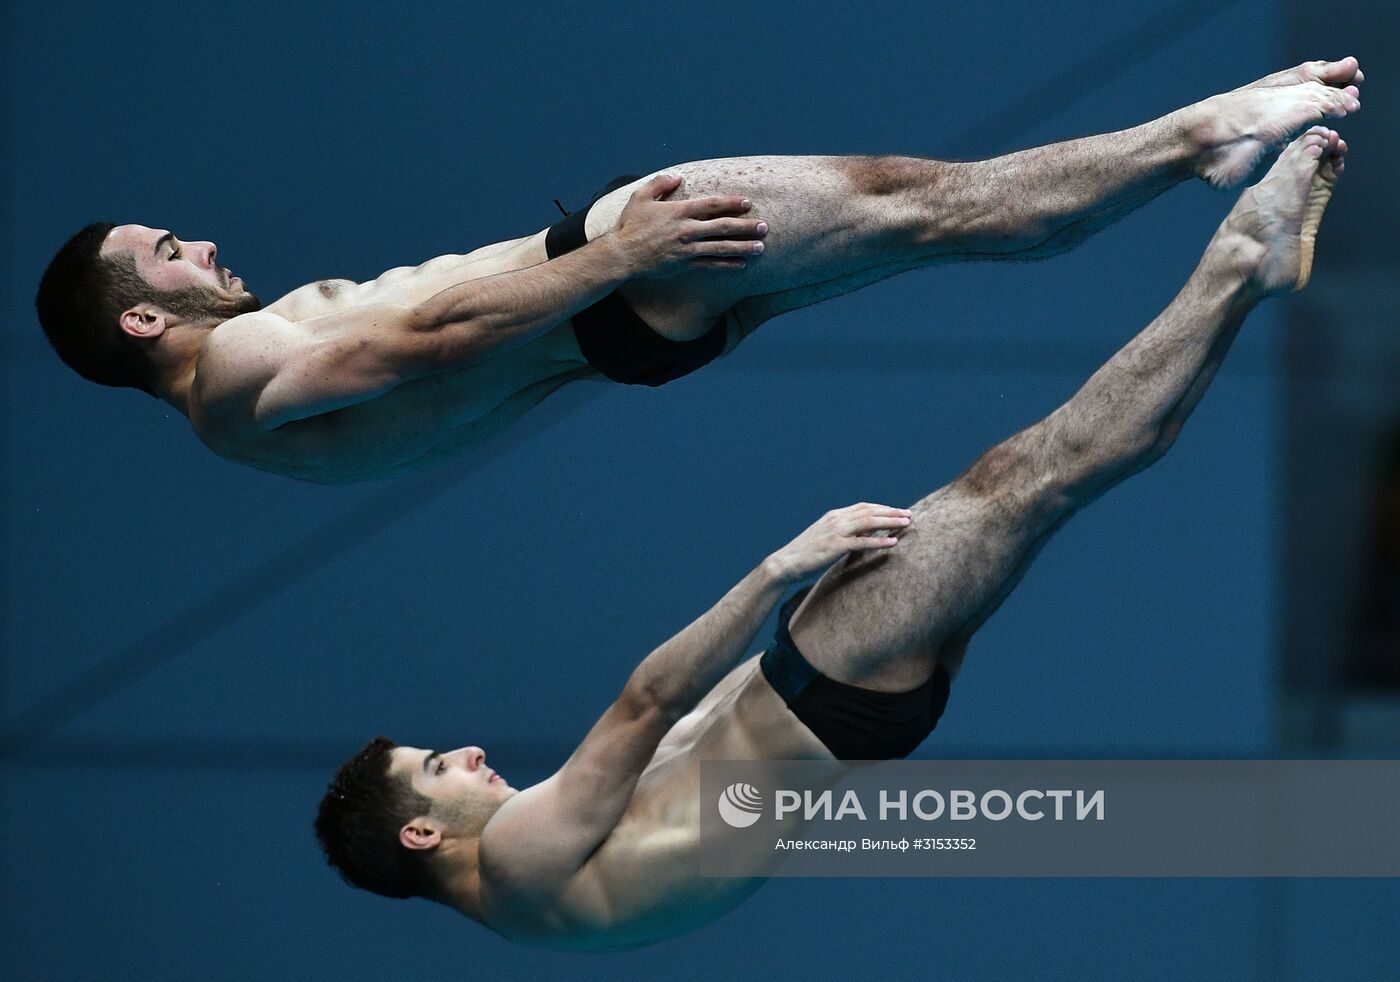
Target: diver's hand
{"type": "Point", "coordinates": [856, 528]}
{"type": "Point", "coordinates": [661, 238]}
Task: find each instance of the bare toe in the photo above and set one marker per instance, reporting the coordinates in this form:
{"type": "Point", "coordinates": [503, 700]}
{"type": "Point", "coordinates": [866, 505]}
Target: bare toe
{"type": "Point", "coordinates": [1282, 212]}
{"type": "Point", "coordinates": [1336, 72]}
{"type": "Point", "coordinates": [1347, 71]}
{"type": "Point", "coordinates": [1234, 131]}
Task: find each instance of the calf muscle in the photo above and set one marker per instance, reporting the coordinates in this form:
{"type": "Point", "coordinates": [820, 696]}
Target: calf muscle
{"type": "Point", "coordinates": [881, 621]}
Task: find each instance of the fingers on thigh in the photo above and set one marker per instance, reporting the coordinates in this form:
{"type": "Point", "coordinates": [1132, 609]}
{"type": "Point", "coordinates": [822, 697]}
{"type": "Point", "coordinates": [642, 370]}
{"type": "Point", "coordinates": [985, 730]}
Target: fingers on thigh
{"type": "Point", "coordinates": [953, 563]}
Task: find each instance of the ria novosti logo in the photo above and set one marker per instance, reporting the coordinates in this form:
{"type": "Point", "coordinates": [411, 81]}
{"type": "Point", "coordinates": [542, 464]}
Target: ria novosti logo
{"type": "Point", "coordinates": [740, 805]}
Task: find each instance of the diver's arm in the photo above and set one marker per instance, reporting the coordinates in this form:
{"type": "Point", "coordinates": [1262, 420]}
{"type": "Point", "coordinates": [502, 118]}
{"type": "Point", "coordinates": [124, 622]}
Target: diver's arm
{"type": "Point", "coordinates": [353, 355]}
{"type": "Point", "coordinates": [544, 838]}
{"type": "Point", "coordinates": [652, 238]}
{"type": "Point", "coordinates": [538, 841]}
{"type": "Point", "coordinates": [676, 676]}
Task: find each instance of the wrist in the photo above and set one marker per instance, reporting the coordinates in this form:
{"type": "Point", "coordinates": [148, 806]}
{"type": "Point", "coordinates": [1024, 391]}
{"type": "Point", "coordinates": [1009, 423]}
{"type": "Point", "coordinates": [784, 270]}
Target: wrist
{"type": "Point", "coordinates": [619, 256]}
{"type": "Point", "coordinates": [777, 572]}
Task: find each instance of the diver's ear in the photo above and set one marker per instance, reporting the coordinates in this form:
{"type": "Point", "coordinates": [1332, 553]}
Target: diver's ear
{"type": "Point", "coordinates": [144, 321]}
{"type": "Point", "coordinates": [420, 833]}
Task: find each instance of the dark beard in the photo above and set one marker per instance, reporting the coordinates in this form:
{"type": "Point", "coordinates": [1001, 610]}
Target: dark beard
{"type": "Point", "coordinates": [202, 304]}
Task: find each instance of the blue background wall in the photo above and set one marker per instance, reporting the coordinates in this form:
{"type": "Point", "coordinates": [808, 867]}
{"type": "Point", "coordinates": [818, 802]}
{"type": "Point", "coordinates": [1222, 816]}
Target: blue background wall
{"type": "Point", "coordinates": [254, 631]}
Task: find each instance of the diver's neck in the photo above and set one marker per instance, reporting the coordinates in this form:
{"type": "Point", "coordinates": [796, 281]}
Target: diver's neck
{"type": "Point", "coordinates": [177, 362]}
{"type": "Point", "coordinates": [460, 880]}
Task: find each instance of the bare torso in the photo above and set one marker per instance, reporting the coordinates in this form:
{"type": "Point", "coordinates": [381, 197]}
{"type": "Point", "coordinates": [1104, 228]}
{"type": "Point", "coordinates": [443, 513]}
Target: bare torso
{"type": "Point", "coordinates": [419, 422]}
{"type": "Point", "coordinates": [643, 883]}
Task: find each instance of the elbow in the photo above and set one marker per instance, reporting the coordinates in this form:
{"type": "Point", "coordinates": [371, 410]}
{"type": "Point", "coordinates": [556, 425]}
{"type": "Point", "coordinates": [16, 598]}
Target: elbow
{"type": "Point", "coordinates": [431, 346]}
{"type": "Point", "coordinates": [429, 320]}
{"type": "Point", "coordinates": [421, 320]}
{"type": "Point", "coordinates": [448, 311]}
{"type": "Point", "coordinates": [643, 700]}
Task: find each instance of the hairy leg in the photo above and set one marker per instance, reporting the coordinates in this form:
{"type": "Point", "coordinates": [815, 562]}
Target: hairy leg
{"type": "Point", "coordinates": [750, 313]}
{"type": "Point", "coordinates": [840, 222]}
{"type": "Point", "coordinates": [884, 619]}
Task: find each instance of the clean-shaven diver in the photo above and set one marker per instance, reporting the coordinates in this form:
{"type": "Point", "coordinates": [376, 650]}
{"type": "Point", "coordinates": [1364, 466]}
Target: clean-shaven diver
{"type": "Point", "coordinates": [339, 381]}
{"type": "Point", "coordinates": [604, 854]}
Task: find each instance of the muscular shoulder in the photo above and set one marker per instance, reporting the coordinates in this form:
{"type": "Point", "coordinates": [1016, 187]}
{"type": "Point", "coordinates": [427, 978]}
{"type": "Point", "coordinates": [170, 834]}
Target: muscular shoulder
{"type": "Point", "coordinates": [525, 893]}
{"type": "Point", "coordinates": [239, 358]}
{"type": "Point", "coordinates": [505, 841]}
{"type": "Point", "coordinates": [507, 854]}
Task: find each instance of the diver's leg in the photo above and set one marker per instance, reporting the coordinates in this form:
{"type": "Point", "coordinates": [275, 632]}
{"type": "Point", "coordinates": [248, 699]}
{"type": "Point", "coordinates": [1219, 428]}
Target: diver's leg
{"type": "Point", "coordinates": [837, 223]}
{"type": "Point", "coordinates": [883, 619]}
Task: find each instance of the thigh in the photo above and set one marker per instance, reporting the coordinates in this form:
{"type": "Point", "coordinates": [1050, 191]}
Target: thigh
{"type": "Point", "coordinates": [884, 619]}
{"type": "Point", "coordinates": [824, 225]}
{"type": "Point", "coordinates": [751, 313]}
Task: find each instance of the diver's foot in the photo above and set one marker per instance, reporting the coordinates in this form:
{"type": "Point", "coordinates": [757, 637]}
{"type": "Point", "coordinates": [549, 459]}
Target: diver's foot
{"type": "Point", "coordinates": [1234, 130]}
{"type": "Point", "coordinates": [1338, 74]}
{"type": "Point", "coordinates": [1279, 216]}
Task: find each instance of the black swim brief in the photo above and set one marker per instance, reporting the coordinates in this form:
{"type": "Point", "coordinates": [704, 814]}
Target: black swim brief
{"type": "Point", "coordinates": [854, 723]}
{"type": "Point", "coordinates": [610, 334]}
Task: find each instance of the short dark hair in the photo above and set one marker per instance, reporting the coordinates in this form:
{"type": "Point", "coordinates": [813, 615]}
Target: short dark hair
{"type": "Point", "coordinates": [81, 296]}
{"type": "Point", "coordinates": [359, 820]}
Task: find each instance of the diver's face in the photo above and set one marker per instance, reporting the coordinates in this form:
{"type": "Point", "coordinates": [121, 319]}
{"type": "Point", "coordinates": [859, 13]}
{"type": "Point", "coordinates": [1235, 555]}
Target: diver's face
{"type": "Point", "coordinates": [169, 263]}
{"type": "Point", "coordinates": [456, 780]}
